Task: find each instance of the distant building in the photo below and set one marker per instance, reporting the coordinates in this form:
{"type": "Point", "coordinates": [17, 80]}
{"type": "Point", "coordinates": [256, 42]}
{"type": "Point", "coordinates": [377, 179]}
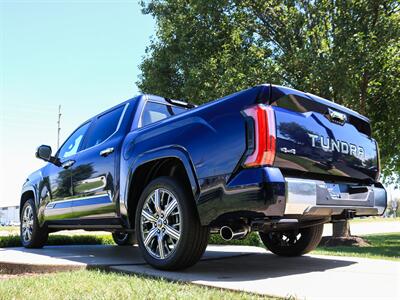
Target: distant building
{"type": "Point", "coordinates": [9, 215]}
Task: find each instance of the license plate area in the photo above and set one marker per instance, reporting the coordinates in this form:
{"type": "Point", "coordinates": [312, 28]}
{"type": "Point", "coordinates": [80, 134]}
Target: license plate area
{"type": "Point", "coordinates": [334, 190]}
{"type": "Point", "coordinates": [344, 194]}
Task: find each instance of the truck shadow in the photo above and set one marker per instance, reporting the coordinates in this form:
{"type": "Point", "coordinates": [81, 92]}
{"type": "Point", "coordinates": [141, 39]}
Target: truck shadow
{"type": "Point", "coordinates": [256, 266]}
{"type": "Point", "coordinates": [220, 263]}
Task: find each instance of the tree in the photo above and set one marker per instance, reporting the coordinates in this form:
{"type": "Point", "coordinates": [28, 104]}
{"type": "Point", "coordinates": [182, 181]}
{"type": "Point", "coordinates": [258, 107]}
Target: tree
{"type": "Point", "coordinates": [347, 51]}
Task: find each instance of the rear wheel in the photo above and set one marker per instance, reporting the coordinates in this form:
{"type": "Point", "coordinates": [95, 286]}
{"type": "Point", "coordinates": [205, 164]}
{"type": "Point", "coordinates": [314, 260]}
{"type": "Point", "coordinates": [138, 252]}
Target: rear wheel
{"type": "Point", "coordinates": [293, 243]}
{"type": "Point", "coordinates": [124, 238]}
{"type": "Point", "coordinates": [32, 235]}
{"type": "Point", "coordinates": [168, 229]}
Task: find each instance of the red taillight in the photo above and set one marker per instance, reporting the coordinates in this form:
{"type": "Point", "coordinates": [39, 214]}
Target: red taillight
{"type": "Point", "coordinates": [265, 136]}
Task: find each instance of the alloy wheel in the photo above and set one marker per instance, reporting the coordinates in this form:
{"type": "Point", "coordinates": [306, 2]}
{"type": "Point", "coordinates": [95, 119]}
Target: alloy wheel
{"type": "Point", "coordinates": [161, 223]}
{"type": "Point", "coordinates": [27, 223]}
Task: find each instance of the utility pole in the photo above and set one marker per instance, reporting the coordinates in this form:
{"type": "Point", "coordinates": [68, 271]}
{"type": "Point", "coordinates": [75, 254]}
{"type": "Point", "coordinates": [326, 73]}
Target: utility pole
{"type": "Point", "coordinates": [58, 126]}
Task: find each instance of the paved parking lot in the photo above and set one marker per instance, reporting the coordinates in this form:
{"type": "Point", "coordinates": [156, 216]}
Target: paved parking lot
{"type": "Point", "coordinates": [244, 268]}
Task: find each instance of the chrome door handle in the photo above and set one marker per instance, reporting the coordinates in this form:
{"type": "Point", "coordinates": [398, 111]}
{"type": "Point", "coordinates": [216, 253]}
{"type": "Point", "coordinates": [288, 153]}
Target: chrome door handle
{"type": "Point", "coordinates": [107, 151]}
{"type": "Point", "coordinates": [67, 164]}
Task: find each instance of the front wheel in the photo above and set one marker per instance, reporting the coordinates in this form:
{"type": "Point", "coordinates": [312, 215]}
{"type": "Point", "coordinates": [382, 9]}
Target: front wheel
{"type": "Point", "coordinates": [293, 243]}
{"type": "Point", "coordinates": [124, 238]}
{"type": "Point", "coordinates": [32, 235]}
{"type": "Point", "coordinates": [169, 232]}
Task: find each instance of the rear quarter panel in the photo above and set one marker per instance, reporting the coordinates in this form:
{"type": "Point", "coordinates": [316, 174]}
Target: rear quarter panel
{"type": "Point", "coordinates": [212, 136]}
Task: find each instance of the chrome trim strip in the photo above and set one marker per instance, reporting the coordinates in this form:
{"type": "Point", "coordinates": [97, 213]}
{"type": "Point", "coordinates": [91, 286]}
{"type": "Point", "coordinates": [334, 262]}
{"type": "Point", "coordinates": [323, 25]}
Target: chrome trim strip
{"type": "Point", "coordinates": [91, 201]}
{"type": "Point", "coordinates": [54, 203]}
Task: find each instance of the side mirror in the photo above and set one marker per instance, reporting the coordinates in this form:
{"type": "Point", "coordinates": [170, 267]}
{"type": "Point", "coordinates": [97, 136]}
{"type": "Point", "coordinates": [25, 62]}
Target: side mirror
{"type": "Point", "coordinates": [44, 152]}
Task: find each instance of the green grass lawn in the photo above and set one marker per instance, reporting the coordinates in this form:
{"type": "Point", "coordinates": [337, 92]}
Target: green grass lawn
{"type": "Point", "coordinates": [100, 285]}
{"type": "Point", "coordinates": [58, 239]}
{"type": "Point", "coordinates": [383, 246]}
{"type": "Point", "coordinates": [95, 284]}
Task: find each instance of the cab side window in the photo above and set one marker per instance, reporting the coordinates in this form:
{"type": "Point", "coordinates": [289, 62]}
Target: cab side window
{"type": "Point", "coordinates": [104, 127]}
{"type": "Point", "coordinates": [71, 145]}
{"type": "Point", "coordinates": [154, 112]}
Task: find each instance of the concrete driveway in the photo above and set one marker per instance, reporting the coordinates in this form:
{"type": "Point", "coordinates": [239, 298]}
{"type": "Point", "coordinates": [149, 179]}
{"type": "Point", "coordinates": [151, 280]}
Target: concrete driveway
{"type": "Point", "coordinates": [243, 268]}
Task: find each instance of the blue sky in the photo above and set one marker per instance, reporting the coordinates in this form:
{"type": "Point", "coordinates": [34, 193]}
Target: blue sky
{"type": "Point", "coordinates": [83, 55]}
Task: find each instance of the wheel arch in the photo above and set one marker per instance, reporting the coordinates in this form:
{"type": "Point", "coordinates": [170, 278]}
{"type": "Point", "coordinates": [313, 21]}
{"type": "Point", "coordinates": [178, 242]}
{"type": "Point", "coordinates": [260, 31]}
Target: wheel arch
{"type": "Point", "coordinates": [165, 162]}
{"type": "Point", "coordinates": [27, 193]}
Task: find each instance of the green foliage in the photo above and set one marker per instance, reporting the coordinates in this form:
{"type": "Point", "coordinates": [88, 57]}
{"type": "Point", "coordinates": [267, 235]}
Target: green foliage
{"type": "Point", "coordinates": [252, 239]}
{"type": "Point", "coordinates": [347, 51]}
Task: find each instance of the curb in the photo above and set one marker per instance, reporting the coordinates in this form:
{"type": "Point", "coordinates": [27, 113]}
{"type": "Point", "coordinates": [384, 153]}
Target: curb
{"type": "Point", "coordinates": [18, 268]}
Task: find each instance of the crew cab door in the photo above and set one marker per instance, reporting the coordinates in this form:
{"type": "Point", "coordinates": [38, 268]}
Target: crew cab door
{"type": "Point", "coordinates": [58, 207]}
{"type": "Point", "coordinates": [94, 178]}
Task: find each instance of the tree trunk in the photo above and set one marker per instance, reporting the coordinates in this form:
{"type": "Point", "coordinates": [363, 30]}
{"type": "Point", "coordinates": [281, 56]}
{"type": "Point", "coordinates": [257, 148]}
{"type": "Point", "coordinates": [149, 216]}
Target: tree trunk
{"type": "Point", "coordinates": [341, 229]}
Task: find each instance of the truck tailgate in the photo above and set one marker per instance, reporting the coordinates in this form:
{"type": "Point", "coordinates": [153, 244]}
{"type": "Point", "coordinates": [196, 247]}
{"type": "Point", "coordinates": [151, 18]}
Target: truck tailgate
{"type": "Point", "coordinates": [317, 136]}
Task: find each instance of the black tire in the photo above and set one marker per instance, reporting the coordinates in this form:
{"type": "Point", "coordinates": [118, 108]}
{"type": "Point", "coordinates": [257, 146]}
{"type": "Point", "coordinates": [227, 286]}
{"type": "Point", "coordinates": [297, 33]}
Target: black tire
{"type": "Point", "coordinates": [31, 234]}
{"type": "Point", "coordinates": [124, 238]}
{"type": "Point", "coordinates": [293, 243]}
{"type": "Point", "coordinates": [193, 238]}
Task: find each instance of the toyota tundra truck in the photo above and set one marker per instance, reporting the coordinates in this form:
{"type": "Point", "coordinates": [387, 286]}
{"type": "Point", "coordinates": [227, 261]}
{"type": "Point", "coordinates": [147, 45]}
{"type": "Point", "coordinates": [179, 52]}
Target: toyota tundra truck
{"type": "Point", "coordinates": [165, 174]}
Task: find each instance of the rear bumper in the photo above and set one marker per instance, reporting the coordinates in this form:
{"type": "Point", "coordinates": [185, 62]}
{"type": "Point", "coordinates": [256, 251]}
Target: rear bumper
{"type": "Point", "coordinates": [311, 197]}
{"type": "Point", "coordinates": [256, 193]}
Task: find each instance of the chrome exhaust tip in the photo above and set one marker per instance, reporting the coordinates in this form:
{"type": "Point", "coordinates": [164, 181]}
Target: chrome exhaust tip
{"type": "Point", "coordinates": [228, 234]}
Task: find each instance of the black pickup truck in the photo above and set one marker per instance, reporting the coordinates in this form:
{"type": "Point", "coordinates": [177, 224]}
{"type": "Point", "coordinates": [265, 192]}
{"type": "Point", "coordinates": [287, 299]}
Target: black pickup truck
{"type": "Point", "coordinates": [268, 159]}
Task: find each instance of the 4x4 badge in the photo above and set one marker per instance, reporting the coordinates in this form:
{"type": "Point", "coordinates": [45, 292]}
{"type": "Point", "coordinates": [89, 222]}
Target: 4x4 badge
{"type": "Point", "coordinates": [286, 150]}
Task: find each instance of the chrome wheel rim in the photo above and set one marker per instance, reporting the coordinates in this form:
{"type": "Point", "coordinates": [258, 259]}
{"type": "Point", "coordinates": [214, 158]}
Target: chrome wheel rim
{"type": "Point", "coordinates": [27, 224]}
{"type": "Point", "coordinates": [160, 223]}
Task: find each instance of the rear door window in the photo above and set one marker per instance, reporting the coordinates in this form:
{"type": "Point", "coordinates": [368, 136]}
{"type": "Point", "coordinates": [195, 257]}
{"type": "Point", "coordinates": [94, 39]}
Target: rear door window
{"type": "Point", "coordinates": [104, 127]}
{"type": "Point", "coordinates": [154, 112]}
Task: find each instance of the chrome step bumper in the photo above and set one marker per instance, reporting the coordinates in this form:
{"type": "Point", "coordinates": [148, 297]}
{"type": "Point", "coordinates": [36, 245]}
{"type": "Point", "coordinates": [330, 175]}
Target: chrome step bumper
{"type": "Point", "coordinates": [312, 197]}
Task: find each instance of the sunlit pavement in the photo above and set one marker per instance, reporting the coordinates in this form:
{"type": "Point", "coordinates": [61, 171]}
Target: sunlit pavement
{"type": "Point", "coordinates": [243, 268]}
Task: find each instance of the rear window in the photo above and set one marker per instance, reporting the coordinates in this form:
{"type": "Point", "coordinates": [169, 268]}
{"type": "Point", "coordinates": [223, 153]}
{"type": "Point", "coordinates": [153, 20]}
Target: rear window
{"type": "Point", "coordinates": [154, 112]}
